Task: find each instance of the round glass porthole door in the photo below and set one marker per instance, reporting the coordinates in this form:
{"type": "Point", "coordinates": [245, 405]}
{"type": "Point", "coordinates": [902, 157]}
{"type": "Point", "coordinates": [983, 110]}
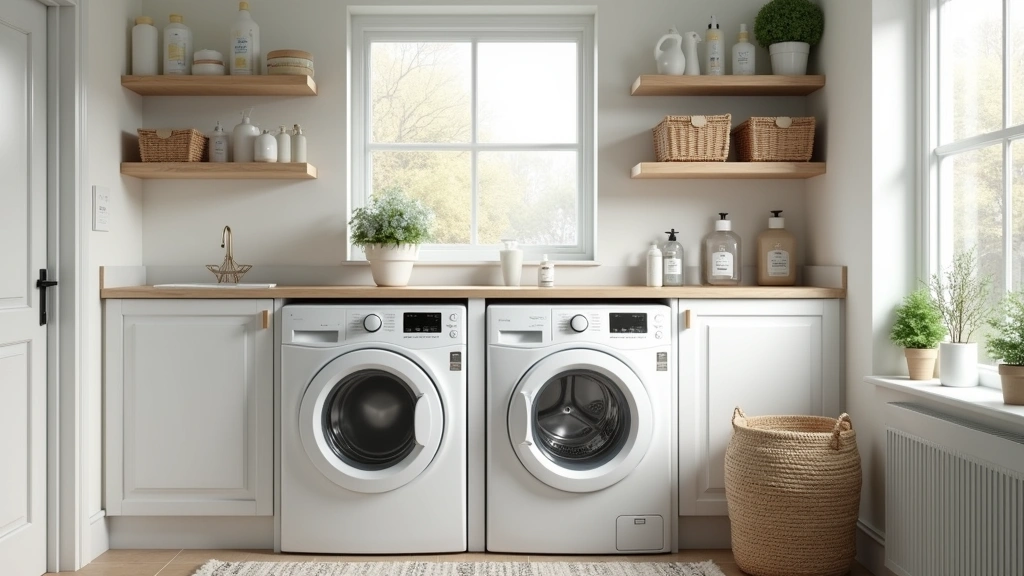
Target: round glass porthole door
{"type": "Point", "coordinates": [580, 420]}
{"type": "Point", "coordinates": [371, 421]}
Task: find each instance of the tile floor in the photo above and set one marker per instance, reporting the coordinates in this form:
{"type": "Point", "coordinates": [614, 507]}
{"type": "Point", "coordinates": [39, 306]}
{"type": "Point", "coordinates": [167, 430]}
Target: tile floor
{"type": "Point", "coordinates": [185, 562]}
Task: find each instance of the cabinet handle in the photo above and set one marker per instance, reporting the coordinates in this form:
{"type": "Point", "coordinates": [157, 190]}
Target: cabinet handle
{"type": "Point", "coordinates": [686, 320]}
{"type": "Point", "coordinates": [266, 319]}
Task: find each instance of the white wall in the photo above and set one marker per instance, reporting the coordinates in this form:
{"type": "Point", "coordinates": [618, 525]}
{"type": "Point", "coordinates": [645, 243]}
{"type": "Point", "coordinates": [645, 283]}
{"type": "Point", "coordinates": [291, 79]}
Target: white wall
{"type": "Point", "coordinates": [112, 116]}
{"type": "Point", "coordinates": [303, 223]}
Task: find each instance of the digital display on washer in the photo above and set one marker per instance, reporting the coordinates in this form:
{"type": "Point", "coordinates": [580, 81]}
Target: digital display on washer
{"type": "Point", "coordinates": [418, 322]}
{"type": "Point", "coordinates": [628, 323]}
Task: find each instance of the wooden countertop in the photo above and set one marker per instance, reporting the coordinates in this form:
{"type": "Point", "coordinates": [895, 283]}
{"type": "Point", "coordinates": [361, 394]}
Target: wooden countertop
{"type": "Point", "coordinates": [438, 292]}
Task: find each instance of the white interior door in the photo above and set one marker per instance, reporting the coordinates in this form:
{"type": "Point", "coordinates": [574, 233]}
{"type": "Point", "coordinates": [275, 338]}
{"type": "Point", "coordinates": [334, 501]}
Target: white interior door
{"type": "Point", "coordinates": [22, 255]}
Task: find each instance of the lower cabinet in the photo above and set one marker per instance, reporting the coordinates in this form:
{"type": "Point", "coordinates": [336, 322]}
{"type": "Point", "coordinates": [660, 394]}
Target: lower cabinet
{"type": "Point", "coordinates": [764, 356]}
{"type": "Point", "coordinates": [189, 407]}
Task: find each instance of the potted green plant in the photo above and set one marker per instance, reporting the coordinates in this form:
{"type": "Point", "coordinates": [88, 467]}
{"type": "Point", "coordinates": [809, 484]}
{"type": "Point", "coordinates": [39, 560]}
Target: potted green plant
{"type": "Point", "coordinates": [788, 28]}
{"type": "Point", "coordinates": [918, 329]}
{"type": "Point", "coordinates": [1007, 346]}
{"type": "Point", "coordinates": [390, 229]}
{"type": "Point", "coordinates": [961, 294]}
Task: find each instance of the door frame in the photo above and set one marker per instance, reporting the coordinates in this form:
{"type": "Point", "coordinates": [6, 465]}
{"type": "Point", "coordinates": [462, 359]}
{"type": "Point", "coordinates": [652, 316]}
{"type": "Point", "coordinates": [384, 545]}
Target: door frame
{"type": "Point", "coordinates": [66, 254]}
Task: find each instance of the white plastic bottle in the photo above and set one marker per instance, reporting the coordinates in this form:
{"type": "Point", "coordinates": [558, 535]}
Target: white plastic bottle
{"type": "Point", "coordinates": [219, 144]}
{"type": "Point", "coordinates": [177, 47]}
{"type": "Point", "coordinates": [298, 145]}
{"type": "Point", "coordinates": [145, 47]}
{"type": "Point", "coordinates": [673, 261]}
{"type": "Point", "coordinates": [243, 138]}
{"type": "Point", "coordinates": [715, 50]}
{"type": "Point", "coordinates": [265, 149]}
{"type": "Point", "coordinates": [245, 43]}
{"type": "Point", "coordinates": [743, 54]}
{"type": "Point", "coordinates": [284, 144]}
{"type": "Point", "coordinates": [546, 273]}
{"type": "Point", "coordinates": [654, 266]}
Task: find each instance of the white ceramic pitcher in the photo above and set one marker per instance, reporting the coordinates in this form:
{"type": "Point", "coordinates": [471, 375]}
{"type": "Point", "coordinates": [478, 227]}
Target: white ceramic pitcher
{"type": "Point", "coordinates": [670, 60]}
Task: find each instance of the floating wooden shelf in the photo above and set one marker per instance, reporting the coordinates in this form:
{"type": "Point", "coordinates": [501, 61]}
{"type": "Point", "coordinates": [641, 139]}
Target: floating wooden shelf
{"type": "Point", "coordinates": [766, 85]}
{"type": "Point", "coordinates": [219, 170]}
{"type": "Point", "coordinates": [728, 170]}
{"type": "Point", "coordinates": [278, 85]}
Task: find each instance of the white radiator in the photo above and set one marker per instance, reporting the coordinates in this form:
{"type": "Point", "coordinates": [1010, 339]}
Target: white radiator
{"type": "Point", "coordinates": [954, 496]}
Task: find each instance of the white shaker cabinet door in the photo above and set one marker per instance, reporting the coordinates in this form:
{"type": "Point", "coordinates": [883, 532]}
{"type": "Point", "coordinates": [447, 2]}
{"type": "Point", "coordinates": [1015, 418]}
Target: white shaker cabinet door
{"type": "Point", "coordinates": [767, 357]}
{"type": "Point", "coordinates": [189, 407]}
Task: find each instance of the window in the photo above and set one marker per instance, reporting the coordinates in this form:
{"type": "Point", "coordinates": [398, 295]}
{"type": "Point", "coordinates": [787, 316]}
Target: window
{"type": "Point", "coordinates": [976, 138]}
{"type": "Point", "coordinates": [488, 120]}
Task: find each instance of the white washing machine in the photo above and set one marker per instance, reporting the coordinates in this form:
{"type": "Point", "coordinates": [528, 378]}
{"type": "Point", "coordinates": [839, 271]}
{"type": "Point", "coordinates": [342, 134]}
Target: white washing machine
{"type": "Point", "coordinates": [579, 429]}
{"type": "Point", "coordinates": [373, 429]}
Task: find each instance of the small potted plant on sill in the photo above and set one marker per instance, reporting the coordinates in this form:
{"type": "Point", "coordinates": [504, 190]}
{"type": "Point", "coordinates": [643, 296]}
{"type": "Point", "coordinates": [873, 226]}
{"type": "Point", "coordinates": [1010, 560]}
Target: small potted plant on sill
{"type": "Point", "coordinates": [788, 28]}
{"type": "Point", "coordinates": [918, 329]}
{"type": "Point", "coordinates": [1007, 346]}
{"type": "Point", "coordinates": [961, 293]}
{"type": "Point", "coordinates": [390, 230]}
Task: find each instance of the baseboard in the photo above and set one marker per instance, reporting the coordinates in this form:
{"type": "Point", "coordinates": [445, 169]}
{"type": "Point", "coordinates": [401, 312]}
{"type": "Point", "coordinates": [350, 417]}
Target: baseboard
{"type": "Point", "coordinates": [704, 533]}
{"type": "Point", "coordinates": [208, 532]}
{"type": "Point", "coordinates": [871, 549]}
{"type": "Point", "coordinates": [99, 537]}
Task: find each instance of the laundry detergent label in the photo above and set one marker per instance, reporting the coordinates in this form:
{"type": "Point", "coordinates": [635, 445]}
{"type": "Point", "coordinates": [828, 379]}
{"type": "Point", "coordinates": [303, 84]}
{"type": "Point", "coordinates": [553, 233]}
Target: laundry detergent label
{"type": "Point", "coordinates": [662, 362]}
{"type": "Point", "coordinates": [455, 361]}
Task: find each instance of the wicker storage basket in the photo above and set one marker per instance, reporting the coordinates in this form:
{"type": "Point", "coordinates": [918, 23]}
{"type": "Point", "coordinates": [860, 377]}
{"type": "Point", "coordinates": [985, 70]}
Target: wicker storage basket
{"type": "Point", "coordinates": [692, 138]}
{"type": "Point", "coordinates": [793, 489]}
{"type": "Point", "coordinates": [774, 139]}
{"type": "Point", "coordinates": [171, 145]}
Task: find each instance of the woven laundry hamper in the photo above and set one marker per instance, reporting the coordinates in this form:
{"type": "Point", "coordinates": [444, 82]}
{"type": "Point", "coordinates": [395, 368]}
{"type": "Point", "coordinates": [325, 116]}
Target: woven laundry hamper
{"type": "Point", "coordinates": [793, 488]}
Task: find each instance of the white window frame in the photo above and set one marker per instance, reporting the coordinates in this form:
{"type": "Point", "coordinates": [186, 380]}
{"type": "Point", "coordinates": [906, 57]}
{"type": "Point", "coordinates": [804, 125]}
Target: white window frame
{"type": "Point", "coordinates": [367, 28]}
{"type": "Point", "coordinates": [937, 214]}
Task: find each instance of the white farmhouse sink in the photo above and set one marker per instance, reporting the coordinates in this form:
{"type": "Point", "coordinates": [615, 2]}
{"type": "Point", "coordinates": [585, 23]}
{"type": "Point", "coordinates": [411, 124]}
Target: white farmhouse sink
{"type": "Point", "coordinates": [213, 285]}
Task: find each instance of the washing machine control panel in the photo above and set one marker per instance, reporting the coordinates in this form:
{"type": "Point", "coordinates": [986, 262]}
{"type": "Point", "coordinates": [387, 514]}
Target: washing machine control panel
{"type": "Point", "coordinates": [411, 326]}
{"type": "Point", "coordinates": [642, 326]}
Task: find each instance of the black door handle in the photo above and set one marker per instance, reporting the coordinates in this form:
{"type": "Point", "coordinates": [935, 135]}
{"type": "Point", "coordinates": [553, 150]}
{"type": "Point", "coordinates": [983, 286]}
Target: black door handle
{"type": "Point", "coordinates": [42, 284]}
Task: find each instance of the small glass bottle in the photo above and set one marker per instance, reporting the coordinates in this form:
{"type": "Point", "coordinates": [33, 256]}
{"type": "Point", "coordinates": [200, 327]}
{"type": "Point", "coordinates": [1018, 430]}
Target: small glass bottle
{"type": "Point", "coordinates": [298, 145]}
{"type": "Point", "coordinates": [673, 260]}
{"type": "Point", "coordinates": [284, 144]}
{"type": "Point", "coordinates": [722, 254]}
{"type": "Point", "coordinates": [546, 273]}
{"type": "Point", "coordinates": [219, 144]}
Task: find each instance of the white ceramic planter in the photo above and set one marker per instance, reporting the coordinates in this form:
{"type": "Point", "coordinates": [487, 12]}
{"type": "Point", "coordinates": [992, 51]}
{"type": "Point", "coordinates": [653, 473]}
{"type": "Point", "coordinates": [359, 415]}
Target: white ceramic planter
{"type": "Point", "coordinates": [958, 364]}
{"type": "Point", "coordinates": [789, 58]}
{"type": "Point", "coordinates": [391, 265]}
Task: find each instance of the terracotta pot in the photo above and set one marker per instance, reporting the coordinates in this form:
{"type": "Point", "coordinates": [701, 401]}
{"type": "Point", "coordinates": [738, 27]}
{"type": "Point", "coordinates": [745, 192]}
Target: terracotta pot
{"type": "Point", "coordinates": [1012, 377]}
{"type": "Point", "coordinates": [391, 265]}
{"type": "Point", "coordinates": [921, 362]}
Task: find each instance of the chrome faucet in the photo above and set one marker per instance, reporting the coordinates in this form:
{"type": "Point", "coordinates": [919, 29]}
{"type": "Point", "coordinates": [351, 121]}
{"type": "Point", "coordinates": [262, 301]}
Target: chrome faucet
{"type": "Point", "coordinates": [225, 241]}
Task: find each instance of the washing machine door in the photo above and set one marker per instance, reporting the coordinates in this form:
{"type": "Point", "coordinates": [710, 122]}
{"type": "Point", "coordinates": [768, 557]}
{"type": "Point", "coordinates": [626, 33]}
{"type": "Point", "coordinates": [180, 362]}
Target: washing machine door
{"type": "Point", "coordinates": [371, 421]}
{"type": "Point", "coordinates": [580, 420]}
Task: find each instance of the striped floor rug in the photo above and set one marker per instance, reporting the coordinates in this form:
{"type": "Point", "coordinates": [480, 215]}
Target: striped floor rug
{"type": "Point", "coordinates": [218, 568]}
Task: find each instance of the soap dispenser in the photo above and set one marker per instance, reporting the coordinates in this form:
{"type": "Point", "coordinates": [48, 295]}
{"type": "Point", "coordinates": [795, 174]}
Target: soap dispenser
{"type": "Point", "coordinates": [673, 260]}
{"type": "Point", "coordinates": [722, 254]}
{"type": "Point", "coordinates": [776, 254]}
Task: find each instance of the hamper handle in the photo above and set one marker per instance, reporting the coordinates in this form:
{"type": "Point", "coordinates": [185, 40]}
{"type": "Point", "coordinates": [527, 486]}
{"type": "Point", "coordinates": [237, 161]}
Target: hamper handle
{"type": "Point", "coordinates": [737, 413]}
{"type": "Point", "coordinates": [838, 429]}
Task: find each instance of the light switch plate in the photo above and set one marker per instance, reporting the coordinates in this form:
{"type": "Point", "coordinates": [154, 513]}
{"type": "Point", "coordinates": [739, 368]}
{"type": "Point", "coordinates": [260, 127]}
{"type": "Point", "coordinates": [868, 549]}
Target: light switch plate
{"type": "Point", "coordinates": [101, 209]}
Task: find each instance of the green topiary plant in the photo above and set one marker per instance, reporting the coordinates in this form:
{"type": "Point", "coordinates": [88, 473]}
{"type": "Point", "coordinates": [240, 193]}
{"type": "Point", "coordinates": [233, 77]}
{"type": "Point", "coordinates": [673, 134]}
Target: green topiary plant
{"type": "Point", "coordinates": [961, 293]}
{"type": "Point", "coordinates": [918, 322]}
{"type": "Point", "coordinates": [789, 21]}
{"type": "Point", "coordinates": [391, 218]}
{"type": "Point", "coordinates": [1008, 342]}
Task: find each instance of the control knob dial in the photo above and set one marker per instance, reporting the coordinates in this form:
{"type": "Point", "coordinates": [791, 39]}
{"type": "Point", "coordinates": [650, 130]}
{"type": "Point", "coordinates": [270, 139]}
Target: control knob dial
{"type": "Point", "coordinates": [579, 323]}
{"type": "Point", "coordinates": [371, 322]}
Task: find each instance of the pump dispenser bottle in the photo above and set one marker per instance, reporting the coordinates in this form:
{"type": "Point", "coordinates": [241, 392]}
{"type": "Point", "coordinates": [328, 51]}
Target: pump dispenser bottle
{"type": "Point", "coordinates": [722, 254]}
{"type": "Point", "coordinates": [743, 54]}
{"type": "Point", "coordinates": [715, 47]}
{"type": "Point", "coordinates": [776, 254]}
{"type": "Point", "coordinates": [673, 260]}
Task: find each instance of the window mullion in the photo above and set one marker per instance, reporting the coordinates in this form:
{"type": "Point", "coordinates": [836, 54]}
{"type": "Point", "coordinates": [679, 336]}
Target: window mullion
{"type": "Point", "coordinates": [1007, 67]}
{"type": "Point", "coordinates": [474, 181]}
{"type": "Point", "coordinates": [1008, 214]}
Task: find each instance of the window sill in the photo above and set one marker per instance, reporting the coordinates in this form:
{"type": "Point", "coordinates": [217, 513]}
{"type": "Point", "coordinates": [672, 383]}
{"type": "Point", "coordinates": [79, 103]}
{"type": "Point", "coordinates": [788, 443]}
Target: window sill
{"type": "Point", "coordinates": [980, 400]}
